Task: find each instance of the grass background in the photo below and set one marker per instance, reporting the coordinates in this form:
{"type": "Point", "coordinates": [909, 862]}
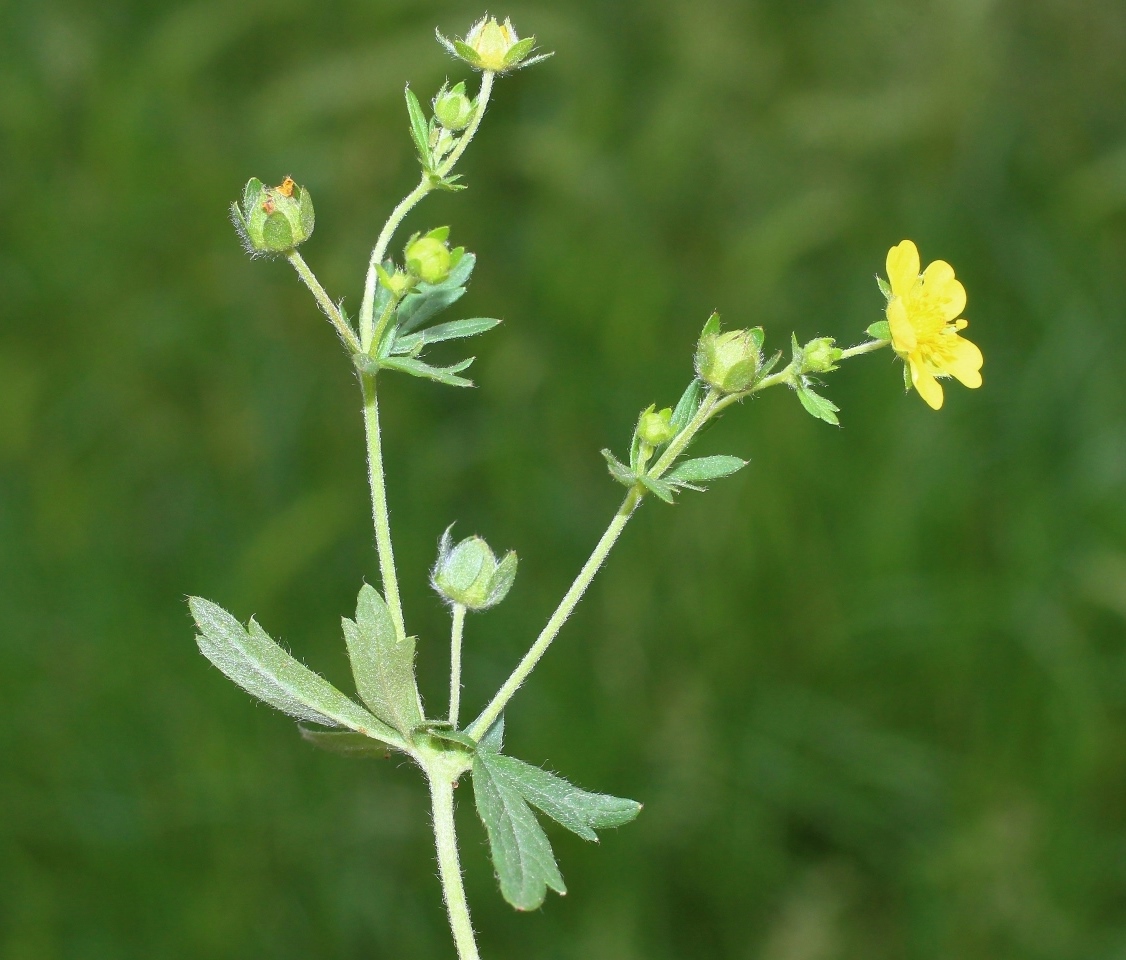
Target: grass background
{"type": "Point", "coordinates": [872, 691]}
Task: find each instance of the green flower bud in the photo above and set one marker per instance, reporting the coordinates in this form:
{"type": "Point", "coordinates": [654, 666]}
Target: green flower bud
{"type": "Point", "coordinates": [428, 258]}
{"type": "Point", "coordinates": [728, 361]}
{"type": "Point", "coordinates": [469, 573]}
{"type": "Point", "coordinates": [398, 283]}
{"type": "Point", "coordinates": [273, 219]}
{"type": "Point", "coordinates": [493, 46]}
{"type": "Point", "coordinates": [819, 356]}
{"type": "Point", "coordinates": [655, 426]}
{"type": "Point", "coordinates": [453, 109]}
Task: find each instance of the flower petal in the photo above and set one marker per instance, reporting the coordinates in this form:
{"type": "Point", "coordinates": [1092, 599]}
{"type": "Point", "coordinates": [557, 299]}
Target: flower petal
{"type": "Point", "coordinates": [929, 388]}
{"type": "Point", "coordinates": [903, 267]}
{"type": "Point", "coordinates": [963, 361]}
{"type": "Point", "coordinates": [940, 287]}
{"type": "Point", "coordinates": [903, 338]}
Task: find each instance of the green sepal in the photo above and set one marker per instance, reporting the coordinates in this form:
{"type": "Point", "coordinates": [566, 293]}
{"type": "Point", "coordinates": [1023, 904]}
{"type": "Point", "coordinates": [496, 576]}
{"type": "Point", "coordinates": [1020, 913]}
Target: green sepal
{"type": "Point", "coordinates": [908, 383]}
{"type": "Point", "coordinates": [518, 51]}
{"type": "Point", "coordinates": [521, 852]}
{"type": "Point", "coordinates": [250, 657]}
{"type": "Point", "coordinates": [817, 405]}
{"type": "Point", "coordinates": [711, 326]}
{"type": "Point", "coordinates": [764, 370]}
{"type": "Point", "coordinates": [443, 730]}
{"type": "Point", "coordinates": [880, 330]}
{"type": "Point", "coordinates": [416, 368]}
{"type": "Point", "coordinates": [503, 578]}
{"type": "Point", "coordinates": [884, 288]}
{"type": "Point", "coordinates": [467, 53]}
{"type": "Point", "coordinates": [344, 743]}
{"type": "Point", "coordinates": [704, 469]}
{"type": "Point", "coordinates": [277, 234]}
{"type": "Point", "coordinates": [382, 664]}
{"type": "Point", "coordinates": [687, 405]}
{"type": "Point", "coordinates": [250, 193]}
{"type": "Point", "coordinates": [758, 335]}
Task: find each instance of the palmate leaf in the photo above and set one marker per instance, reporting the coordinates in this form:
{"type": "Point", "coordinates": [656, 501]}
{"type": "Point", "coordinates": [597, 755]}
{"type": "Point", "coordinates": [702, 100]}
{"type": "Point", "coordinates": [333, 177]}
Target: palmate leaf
{"type": "Point", "coordinates": [504, 788]}
{"type": "Point", "coordinates": [249, 657]}
{"type": "Point", "coordinates": [817, 405]}
{"type": "Point", "coordinates": [522, 855]}
{"type": "Point", "coordinates": [382, 664]}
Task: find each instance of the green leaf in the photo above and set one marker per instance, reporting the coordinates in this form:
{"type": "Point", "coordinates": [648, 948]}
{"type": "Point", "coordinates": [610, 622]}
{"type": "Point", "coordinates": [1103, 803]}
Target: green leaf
{"type": "Point", "coordinates": [442, 730]}
{"type": "Point", "coordinates": [686, 406]}
{"type": "Point", "coordinates": [382, 664]}
{"type": "Point", "coordinates": [420, 129]}
{"type": "Point", "coordinates": [344, 743]}
{"type": "Point", "coordinates": [881, 330]}
{"type": "Point", "coordinates": [884, 288]}
{"type": "Point", "coordinates": [416, 368]}
{"type": "Point", "coordinates": [454, 330]}
{"type": "Point", "coordinates": [818, 406]}
{"type": "Point", "coordinates": [494, 736]}
{"type": "Point", "coordinates": [705, 468]}
{"type": "Point", "coordinates": [659, 488]}
{"type": "Point", "coordinates": [521, 852]}
{"type": "Point", "coordinates": [618, 470]}
{"type": "Point", "coordinates": [256, 663]}
{"type": "Point", "coordinates": [579, 811]}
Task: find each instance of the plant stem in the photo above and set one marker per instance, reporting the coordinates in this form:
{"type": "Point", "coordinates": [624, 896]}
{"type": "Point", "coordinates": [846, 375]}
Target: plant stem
{"type": "Point", "coordinates": [428, 182]}
{"type": "Point", "coordinates": [868, 347]}
{"type": "Point", "coordinates": [324, 301]}
{"type": "Point", "coordinates": [558, 618]}
{"type": "Point", "coordinates": [455, 662]}
{"type": "Point", "coordinates": [449, 867]}
{"type": "Point", "coordinates": [379, 511]}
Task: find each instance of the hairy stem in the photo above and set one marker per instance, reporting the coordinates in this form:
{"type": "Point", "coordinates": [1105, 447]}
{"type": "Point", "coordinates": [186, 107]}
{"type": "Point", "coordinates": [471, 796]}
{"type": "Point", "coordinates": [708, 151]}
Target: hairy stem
{"type": "Point", "coordinates": [379, 511]}
{"type": "Point", "coordinates": [449, 867]}
{"type": "Point", "coordinates": [329, 308]}
{"type": "Point", "coordinates": [868, 347]}
{"type": "Point", "coordinates": [455, 662]}
{"type": "Point", "coordinates": [428, 183]}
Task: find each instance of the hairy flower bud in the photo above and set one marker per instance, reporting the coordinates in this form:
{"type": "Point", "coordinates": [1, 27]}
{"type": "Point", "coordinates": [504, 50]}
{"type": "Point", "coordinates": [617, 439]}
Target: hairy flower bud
{"type": "Point", "coordinates": [728, 361]}
{"type": "Point", "coordinates": [453, 109]}
{"type": "Point", "coordinates": [428, 258]}
{"type": "Point", "coordinates": [655, 426]}
{"type": "Point", "coordinates": [819, 356]}
{"type": "Point", "coordinates": [493, 46]}
{"type": "Point", "coordinates": [469, 573]}
{"type": "Point", "coordinates": [273, 219]}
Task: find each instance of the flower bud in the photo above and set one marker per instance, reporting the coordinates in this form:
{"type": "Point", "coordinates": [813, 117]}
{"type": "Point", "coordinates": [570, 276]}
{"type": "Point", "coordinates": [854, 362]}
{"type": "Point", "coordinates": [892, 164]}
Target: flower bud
{"type": "Point", "coordinates": [453, 109]}
{"type": "Point", "coordinates": [492, 46]}
{"type": "Point", "coordinates": [428, 258]}
{"type": "Point", "coordinates": [819, 356]}
{"type": "Point", "coordinates": [728, 361]}
{"type": "Point", "coordinates": [273, 219]}
{"type": "Point", "coordinates": [655, 426]}
{"type": "Point", "coordinates": [469, 573]}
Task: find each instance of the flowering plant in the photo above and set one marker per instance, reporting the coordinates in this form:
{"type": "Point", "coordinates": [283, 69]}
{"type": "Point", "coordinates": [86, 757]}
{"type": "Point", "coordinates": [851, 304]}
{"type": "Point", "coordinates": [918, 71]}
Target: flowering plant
{"type": "Point", "coordinates": [402, 300]}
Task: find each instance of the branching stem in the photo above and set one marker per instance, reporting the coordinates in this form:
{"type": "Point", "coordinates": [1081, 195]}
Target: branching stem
{"type": "Point", "coordinates": [330, 310]}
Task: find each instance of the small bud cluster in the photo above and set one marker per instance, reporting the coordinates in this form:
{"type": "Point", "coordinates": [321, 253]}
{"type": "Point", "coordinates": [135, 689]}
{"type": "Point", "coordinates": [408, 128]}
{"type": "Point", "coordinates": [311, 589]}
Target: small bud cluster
{"type": "Point", "coordinates": [273, 219]}
{"type": "Point", "coordinates": [469, 574]}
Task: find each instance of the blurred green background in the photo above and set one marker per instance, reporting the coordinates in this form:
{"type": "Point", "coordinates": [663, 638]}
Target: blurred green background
{"type": "Point", "coordinates": [872, 690]}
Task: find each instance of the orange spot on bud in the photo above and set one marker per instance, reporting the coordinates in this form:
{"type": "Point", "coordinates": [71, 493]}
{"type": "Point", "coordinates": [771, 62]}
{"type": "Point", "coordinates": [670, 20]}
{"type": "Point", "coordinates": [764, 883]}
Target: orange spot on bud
{"type": "Point", "coordinates": [268, 204]}
{"type": "Point", "coordinates": [285, 188]}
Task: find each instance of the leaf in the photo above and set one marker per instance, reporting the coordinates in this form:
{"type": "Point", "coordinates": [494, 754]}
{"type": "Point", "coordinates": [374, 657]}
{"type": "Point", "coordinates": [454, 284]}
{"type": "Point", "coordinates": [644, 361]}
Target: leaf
{"type": "Point", "coordinates": [703, 469]}
{"type": "Point", "coordinates": [382, 664]}
{"type": "Point", "coordinates": [427, 299]}
{"type": "Point", "coordinates": [344, 743]}
{"type": "Point", "coordinates": [686, 406]}
{"type": "Point", "coordinates": [420, 129]}
{"type": "Point", "coordinates": [453, 330]}
{"type": "Point", "coordinates": [764, 370]}
{"type": "Point", "coordinates": [416, 368]}
{"type": "Point", "coordinates": [618, 470]}
{"type": "Point", "coordinates": [579, 811]}
{"type": "Point", "coordinates": [444, 731]}
{"type": "Point", "coordinates": [256, 663]}
{"type": "Point", "coordinates": [659, 488]}
{"type": "Point", "coordinates": [881, 330]}
{"type": "Point", "coordinates": [818, 406]}
{"type": "Point", "coordinates": [521, 852]}
{"type": "Point", "coordinates": [494, 736]}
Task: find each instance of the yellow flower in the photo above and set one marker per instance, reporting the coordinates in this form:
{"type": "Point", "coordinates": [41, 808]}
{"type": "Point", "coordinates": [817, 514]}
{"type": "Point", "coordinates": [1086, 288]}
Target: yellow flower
{"type": "Point", "coordinates": [924, 315]}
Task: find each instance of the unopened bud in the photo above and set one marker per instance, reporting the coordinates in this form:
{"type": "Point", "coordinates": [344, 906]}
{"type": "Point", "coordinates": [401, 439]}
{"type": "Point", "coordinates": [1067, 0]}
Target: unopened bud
{"type": "Point", "coordinates": [819, 356]}
{"type": "Point", "coordinates": [492, 46]}
{"type": "Point", "coordinates": [728, 361]}
{"type": "Point", "coordinates": [453, 108]}
{"type": "Point", "coordinates": [428, 258]}
{"type": "Point", "coordinates": [469, 574]}
{"type": "Point", "coordinates": [273, 219]}
{"type": "Point", "coordinates": [655, 427]}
